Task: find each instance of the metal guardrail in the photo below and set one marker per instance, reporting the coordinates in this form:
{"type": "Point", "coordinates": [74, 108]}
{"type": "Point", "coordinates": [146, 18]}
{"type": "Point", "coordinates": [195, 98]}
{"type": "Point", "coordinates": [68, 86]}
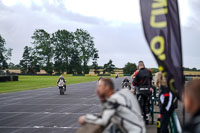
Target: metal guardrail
{"type": "Point", "coordinates": [175, 125]}
{"type": "Point", "coordinates": [153, 101]}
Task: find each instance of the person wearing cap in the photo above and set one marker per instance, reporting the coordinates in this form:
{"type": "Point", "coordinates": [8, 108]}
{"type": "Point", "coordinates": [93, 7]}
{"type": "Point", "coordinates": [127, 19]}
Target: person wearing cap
{"type": "Point", "coordinates": [120, 109]}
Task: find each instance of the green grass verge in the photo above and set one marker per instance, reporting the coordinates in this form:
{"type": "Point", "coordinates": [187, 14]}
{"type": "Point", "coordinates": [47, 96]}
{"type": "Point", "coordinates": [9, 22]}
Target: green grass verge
{"type": "Point", "coordinates": [36, 82]}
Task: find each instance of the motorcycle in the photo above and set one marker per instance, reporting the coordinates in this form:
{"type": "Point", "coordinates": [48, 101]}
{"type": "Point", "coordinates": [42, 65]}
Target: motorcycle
{"type": "Point", "coordinates": [62, 89]}
{"type": "Point", "coordinates": [126, 85]}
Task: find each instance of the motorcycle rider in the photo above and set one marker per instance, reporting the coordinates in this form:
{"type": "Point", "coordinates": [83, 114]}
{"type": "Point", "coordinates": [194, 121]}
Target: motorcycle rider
{"type": "Point", "coordinates": [117, 75]}
{"type": "Point", "coordinates": [142, 83]}
{"type": "Point", "coordinates": [120, 109]}
{"type": "Point", "coordinates": [61, 82]}
{"type": "Point", "coordinates": [126, 80]}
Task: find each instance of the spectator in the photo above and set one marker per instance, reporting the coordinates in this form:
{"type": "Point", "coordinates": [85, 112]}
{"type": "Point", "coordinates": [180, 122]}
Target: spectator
{"type": "Point", "coordinates": [191, 100]}
{"type": "Point", "coordinates": [119, 108]}
{"type": "Point", "coordinates": [142, 84]}
{"type": "Point", "coordinates": [165, 101]}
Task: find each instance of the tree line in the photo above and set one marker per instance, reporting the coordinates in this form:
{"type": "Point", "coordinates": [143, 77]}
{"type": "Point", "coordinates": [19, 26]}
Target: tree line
{"type": "Point", "coordinates": [59, 52]}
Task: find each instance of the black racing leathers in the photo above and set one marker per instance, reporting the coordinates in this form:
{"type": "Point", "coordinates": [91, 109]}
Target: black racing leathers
{"type": "Point", "coordinates": [166, 105]}
{"type": "Point", "coordinates": [143, 78]}
{"type": "Point", "coordinates": [142, 83]}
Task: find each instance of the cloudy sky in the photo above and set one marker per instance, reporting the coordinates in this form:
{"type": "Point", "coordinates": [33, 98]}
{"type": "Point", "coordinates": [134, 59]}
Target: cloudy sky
{"type": "Point", "coordinates": [114, 24]}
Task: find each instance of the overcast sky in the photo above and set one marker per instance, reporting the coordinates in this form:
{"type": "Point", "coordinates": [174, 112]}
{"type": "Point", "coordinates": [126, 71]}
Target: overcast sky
{"type": "Point", "coordinates": [114, 24]}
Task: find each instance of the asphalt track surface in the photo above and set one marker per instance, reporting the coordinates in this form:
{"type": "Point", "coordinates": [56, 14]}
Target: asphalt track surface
{"type": "Point", "coordinates": [45, 111]}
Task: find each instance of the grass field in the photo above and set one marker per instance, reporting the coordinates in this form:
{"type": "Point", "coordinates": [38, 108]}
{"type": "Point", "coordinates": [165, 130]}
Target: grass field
{"type": "Point", "coordinates": [36, 82]}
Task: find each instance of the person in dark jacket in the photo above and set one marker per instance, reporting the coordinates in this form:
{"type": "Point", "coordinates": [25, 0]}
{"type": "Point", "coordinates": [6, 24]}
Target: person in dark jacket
{"type": "Point", "coordinates": [191, 100]}
{"type": "Point", "coordinates": [143, 76]}
{"type": "Point", "coordinates": [142, 83]}
{"type": "Point", "coordinates": [166, 99]}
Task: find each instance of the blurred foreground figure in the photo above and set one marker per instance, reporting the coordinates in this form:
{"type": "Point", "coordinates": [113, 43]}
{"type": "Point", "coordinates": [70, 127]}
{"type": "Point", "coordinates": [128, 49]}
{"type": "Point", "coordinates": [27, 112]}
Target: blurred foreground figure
{"type": "Point", "coordinates": [120, 109]}
{"type": "Point", "coordinates": [191, 99]}
{"type": "Point", "coordinates": [166, 99]}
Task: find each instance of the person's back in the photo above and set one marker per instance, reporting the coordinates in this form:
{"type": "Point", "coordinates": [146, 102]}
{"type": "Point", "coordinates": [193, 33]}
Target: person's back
{"type": "Point", "coordinates": [142, 84]}
{"type": "Point", "coordinates": [142, 78]}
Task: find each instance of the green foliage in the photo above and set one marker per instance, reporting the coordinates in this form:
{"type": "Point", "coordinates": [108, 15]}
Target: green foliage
{"type": "Point", "coordinates": [154, 70]}
{"type": "Point", "coordinates": [5, 54]}
{"type": "Point", "coordinates": [75, 63]}
{"type": "Point", "coordinates": [13, 66]}
{"type": "Point", "coordinates": [190, 69]}
{"type": "Point", "coordinates": [109, 67]}
{"type": "Point", "coordinates": [30, 62]}
{"type": "Point", "coordinates": [63, 42]}
{"type": "Point", "coordinates": [95, 64]}
{"type": "Point", "coordinates": [129, 68]}
{"type": "Point", "coordinates": [85, 44]}
{"type": "Point", "coordinates": [64, 51]}
{"type": "Point", "coordinates": [44, 49]}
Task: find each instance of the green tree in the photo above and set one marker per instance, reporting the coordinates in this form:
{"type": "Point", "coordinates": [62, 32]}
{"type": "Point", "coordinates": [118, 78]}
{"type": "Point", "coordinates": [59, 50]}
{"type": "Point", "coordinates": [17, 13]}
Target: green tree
{"type": "Point", "coordinates": [85, 46]}
{"type": "Point", "coordinates": [129, 68]}
{"type": "Point", "coordinates": [154, 70]}
{"type": "Point", "coordinates": [194, 69]}
{"type": "Point", "coordinates": [30, 62]}
{"type": "Point", "coordinates": [109, 67]}
{"type": "Point", "coordinates": [75, 63]}
{"type": "Point", "coordinates": [13, 66]}
{"type": "Point", "coordinates": [94, 63]}
{"type": "Point", "coordinates": [63, 42]}
{"type": "Point", "coordinates": [5, 54]}
{"type": "Point", "coordinates": [44, 49]}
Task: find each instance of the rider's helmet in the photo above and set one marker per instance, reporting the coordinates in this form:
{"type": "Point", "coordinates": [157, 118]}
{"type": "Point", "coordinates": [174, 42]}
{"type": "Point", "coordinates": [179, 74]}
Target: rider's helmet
{"type": "Point", "coordinates": [61, 76]}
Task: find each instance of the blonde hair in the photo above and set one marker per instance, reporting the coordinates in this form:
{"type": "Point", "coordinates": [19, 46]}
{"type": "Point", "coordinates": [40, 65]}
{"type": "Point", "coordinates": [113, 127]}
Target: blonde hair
{"type": "Point", "coordinates": [160, 80]}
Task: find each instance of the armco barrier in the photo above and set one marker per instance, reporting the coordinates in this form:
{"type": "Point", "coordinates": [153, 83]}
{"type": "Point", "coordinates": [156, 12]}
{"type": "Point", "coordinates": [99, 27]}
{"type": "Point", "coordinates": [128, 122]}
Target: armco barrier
{"type": "Point", "coordinates": [127, 74]}
{"type": "Point", "coordinates": [175, 125]}
{"type": "Point", "coordinates": [104, 74]}
{"type": "Point", "coordinates": [78, 74]}
{"type": "Point", "coordinates": [8, 78]}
